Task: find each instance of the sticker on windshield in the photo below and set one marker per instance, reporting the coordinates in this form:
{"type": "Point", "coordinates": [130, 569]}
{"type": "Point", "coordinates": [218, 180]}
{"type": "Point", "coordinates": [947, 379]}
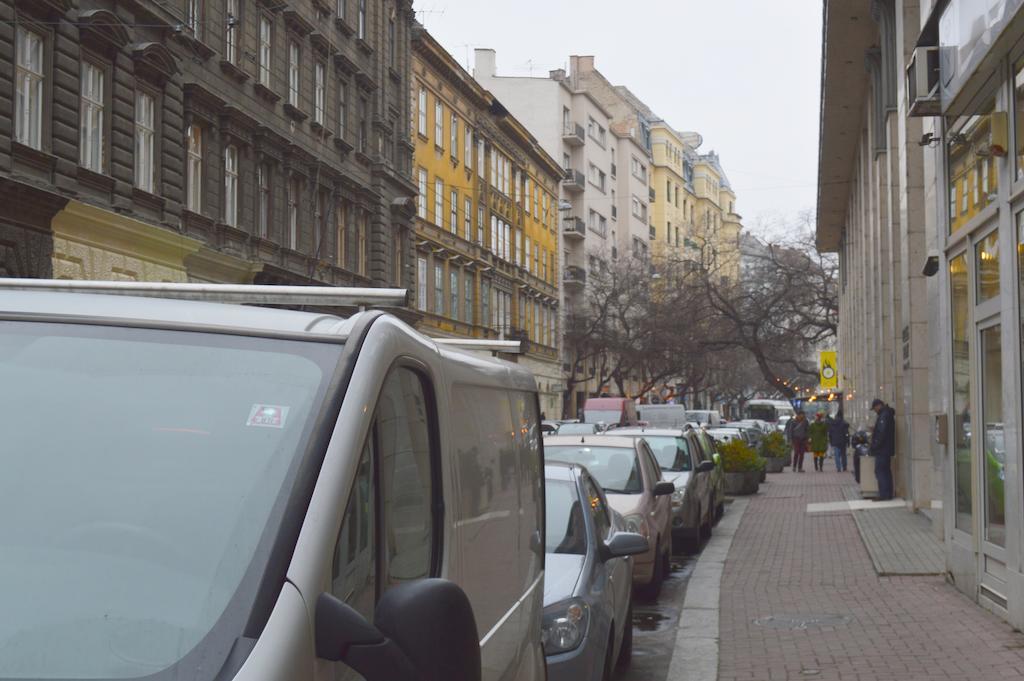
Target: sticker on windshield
{"type": "Point", "coordinates": [267, 416]}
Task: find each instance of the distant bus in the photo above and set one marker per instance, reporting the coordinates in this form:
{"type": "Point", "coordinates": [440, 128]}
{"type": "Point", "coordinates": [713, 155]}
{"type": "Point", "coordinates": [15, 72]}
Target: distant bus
{"type": "Point", "coordinates": [772, 411]}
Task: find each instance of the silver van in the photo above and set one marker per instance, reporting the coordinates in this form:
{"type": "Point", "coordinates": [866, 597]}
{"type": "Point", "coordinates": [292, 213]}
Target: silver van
{"type": "Point", "coordinates": [212, 491]}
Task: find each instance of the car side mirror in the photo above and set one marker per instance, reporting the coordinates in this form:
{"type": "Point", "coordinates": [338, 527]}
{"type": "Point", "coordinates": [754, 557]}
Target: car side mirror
{"type": "Point", "coordinates": [705, 466]}
{"type": "Point", "coordinates": [624, 544]}
{"type": "Point", "coordinates": [404, 643]}
{"type": "Point", "coordinates": [663, 489]}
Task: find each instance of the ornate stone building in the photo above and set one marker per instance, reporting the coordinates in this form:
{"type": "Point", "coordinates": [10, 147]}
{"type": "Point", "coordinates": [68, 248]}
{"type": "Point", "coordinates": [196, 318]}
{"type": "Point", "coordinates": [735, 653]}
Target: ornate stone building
{"type": "Point", "coordinates": [208, 140]}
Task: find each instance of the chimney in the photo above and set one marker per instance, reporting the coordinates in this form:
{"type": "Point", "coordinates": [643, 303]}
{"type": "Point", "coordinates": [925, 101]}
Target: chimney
{"type": "Point", "coordinates": [581, 65]}
{"type": "Point", "coordinates": [557, 74]}
{"type": "Point", "coordinates": [485, 63]}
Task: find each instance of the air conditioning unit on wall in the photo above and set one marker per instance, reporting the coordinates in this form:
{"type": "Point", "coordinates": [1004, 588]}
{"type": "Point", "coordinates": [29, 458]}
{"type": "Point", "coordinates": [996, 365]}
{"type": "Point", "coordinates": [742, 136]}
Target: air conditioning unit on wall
{"type": "Point", "coordinates": [923, 82]}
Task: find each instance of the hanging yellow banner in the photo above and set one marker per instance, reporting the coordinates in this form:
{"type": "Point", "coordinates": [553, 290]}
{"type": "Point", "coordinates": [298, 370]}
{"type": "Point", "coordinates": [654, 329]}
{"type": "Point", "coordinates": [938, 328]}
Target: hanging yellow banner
{"type": "Point", "coordinates": [828, 369]}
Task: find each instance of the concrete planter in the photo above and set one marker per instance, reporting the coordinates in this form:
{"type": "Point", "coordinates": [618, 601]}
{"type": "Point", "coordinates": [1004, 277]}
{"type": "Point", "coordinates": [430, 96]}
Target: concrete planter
{"type": "Point", "coordinates": [740, 484]}
{"type": "Point", "coordinates": [775, 465]}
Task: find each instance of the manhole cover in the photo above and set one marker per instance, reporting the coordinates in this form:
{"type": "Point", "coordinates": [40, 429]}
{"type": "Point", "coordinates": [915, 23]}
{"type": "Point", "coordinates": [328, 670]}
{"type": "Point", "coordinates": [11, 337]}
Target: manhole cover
{"type": "Point", "coordinates": [803, 621]}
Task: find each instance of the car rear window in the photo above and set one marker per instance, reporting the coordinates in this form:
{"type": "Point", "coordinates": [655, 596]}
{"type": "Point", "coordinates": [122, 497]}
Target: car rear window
{"type": "Point", "coordinates": [616, 469]}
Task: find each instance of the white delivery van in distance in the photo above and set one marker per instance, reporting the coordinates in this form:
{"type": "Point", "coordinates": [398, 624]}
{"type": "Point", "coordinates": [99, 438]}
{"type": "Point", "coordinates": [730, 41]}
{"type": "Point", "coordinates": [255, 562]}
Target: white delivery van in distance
{"type": "Point", "coordinates": [215, 491]}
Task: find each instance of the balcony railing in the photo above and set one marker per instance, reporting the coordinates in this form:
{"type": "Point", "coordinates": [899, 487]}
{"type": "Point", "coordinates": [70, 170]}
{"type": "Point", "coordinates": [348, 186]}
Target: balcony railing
{"type": "Point", "coordinates": [573, 135]}
{"type": "Point", "coordinates": [574, 180]}
{"type": "Point", "coordinates": [574, 228]}
{"type": "Point", "coordinates": [575, 276]}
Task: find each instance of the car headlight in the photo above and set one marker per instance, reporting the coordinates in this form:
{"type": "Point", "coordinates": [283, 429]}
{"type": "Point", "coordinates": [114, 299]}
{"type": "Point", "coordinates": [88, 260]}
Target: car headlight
{"type": "Point", "coordinates": [677, 498]}
{"type": "Point", "coordinates": [637, 525]}
{"type": "Point", "coordinates": [564, 626]}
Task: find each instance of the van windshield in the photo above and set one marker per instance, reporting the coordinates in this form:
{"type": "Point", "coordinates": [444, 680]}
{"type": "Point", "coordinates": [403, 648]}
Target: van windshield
{"type": "Point", "coordinates": [143, 473]}
{"type": "Point", "coordinates": [615, 468]}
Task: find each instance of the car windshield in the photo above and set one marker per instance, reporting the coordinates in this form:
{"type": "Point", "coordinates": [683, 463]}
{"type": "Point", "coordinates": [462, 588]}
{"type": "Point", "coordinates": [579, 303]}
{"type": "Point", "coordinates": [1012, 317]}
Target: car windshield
{"type": "Point", "coordinates": [566, 526]}
{"type": "Point", "coordinates": [615, 468]}
{"type": "Point", "coordinates": [143, 475]}
{"type": "Point", "coordinates": [577, 429]}
{"type": "Point", "coordinates": [672, 453]}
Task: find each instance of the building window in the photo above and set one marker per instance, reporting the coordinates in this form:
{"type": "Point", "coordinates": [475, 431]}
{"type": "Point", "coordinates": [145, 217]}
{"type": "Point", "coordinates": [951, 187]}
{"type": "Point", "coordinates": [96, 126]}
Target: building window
{"type": "Point", "coordinates": [28, 121]}
{"type": "Point", "coordinates": [194, 186]}
{"type": "Point", "coordinates": [341, 213]}
{"type": "Point", "coordinates": [468, 318]}
{"type": "Point", "coordinates": [293, 73]}
{"type": "Point", "coordinates": [481, 167]}
{"type": "Point", "coordinates": [439, 124]}
{"type": "Point", "coordinates": [92, 137]}
{"type": "Point", "coordinates": [145, 132]}
{"type": "Point", "coordinates": [263, 210]}
{"type": "Point", "coordinates": [319, 221]}
{"type": "Point", "coordinates": [453, 293]}
{"type": "Point", "coordinates": [231, 185]}
{"type": "Point", "coordinates": [392, 41]}
{"type": "Point", "coordinates": [467, 149]}
{"type": "Point", "coordinates": [319, 92]}
{"type": "Point", "coordinates": [421, 284]}
{"type": "Point", "coordinates": [527, 250]}
{"type": "Point", "coordinates": [453, 211]}
{"type": "Point", "coordinates": [421, 199]}
{"type": "Point", "coordinates": [231, 31]}
{"type": "Point", "coordinates": [439, 202]}
{"type": "Point", "coordinates": [485, 303]}
{"type": "Point", "coordinates": [342, 109]}
{"type": "Point", "coordinates": [362, 245]}
{"type": "Point", "coordinates": [422, 113]}
{"type": "Point", "coordinates": [361, 27]}
{"type": "Point", "coordinates": [342, 9]}
{"type": "Point", "coordinates": [467, 219]}
{"type": "Point", "coordinates": [987, 267]}
{"type": "Point", "coordinates": [480, 218]}
{"type": "Point", "coordinates": [293, 213]}
{"type": "Point", "coordinates": [266, 45]}
{"type": "Point", "coordinates": [439, 289]}
{"type": "Point", "coordinates": [364, 124]}
{"type": "Point", "coordinates": [454, 139]}
{"type": "Point", "coordinates": [194, 18]}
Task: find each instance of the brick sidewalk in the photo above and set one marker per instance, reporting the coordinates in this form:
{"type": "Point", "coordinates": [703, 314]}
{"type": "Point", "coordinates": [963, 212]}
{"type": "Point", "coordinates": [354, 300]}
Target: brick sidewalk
{"type": "Point", "coordinates": [794, 567]}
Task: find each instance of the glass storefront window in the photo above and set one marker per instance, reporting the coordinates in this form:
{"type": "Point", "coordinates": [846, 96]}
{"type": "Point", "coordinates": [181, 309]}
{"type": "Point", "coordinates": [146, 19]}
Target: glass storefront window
{"type": "Point", "coordinates": [1018, 118]}
{"type": "Point", "coordinates": [961, 439]}
{"type": "Point", "coordinates": [986, 266]}
{"type": "Point", "coordinates": [973, 173]}
{"type": "Point", "coordinates": [994, 442]}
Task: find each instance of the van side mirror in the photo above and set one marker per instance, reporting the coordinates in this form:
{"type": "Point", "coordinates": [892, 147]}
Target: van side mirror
{"type": "Point", "coordinates": [663, 489]}
{"type": "Point", "coordinates": [624, 544]}
{"type": "Point", "coordinates": [404, 643]}
{"type": "Point", "coordinates": [705, 466]}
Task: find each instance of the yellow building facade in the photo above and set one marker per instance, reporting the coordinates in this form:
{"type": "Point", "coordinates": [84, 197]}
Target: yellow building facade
{"type": "Point", "coordinates": [717, 225]}
{"type": "Point", "coordinates": [487, 219]}
{"type": "Point", "coordinates": [672, 201]}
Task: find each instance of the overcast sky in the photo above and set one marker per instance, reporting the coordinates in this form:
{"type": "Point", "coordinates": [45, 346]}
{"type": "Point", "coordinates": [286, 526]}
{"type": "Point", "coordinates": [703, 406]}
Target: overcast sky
{"type": "Point", "coordinates": [743, 73]}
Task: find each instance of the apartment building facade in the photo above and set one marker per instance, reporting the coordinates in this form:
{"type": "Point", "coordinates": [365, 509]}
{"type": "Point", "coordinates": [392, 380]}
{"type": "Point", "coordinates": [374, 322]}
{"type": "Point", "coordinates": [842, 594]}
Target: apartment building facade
{"type": "Point", "coordinates": [920, 195]}
{"type": "Point", "coordinates": [191, 140]}
{"type": "Point", "coordinates": [573, 128]}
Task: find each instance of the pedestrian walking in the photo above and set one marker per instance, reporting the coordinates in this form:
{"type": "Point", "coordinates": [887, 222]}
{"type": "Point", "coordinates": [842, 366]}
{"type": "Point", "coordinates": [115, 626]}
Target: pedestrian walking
{"type": "Point", "coordinates": [839, 440]}
{"type": "Point", "coordinates": [818, 434]}
{"type": "Point", "coordinates": [798, 438]}
{"type": "Point", "coordinates": [883, 447]}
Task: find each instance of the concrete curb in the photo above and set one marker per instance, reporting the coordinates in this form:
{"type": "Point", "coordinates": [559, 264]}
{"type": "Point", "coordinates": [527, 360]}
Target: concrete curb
{"type": "Point", "coordinates": [695, 656]}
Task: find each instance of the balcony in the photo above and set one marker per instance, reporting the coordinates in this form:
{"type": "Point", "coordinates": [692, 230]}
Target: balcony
{"type": "Point", "coordinates": [574, 276]}
{"type": "Point", "coordinates": [573, 135]}
{"type": "Point", "coordinates": [574, 228]}
{"type": "Point", "coordinates": [574, 181]}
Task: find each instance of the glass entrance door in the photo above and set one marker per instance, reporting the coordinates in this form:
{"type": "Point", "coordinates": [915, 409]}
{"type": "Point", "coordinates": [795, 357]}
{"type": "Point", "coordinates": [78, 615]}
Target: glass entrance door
{"type": "Point", "coordinates": [991, 441]}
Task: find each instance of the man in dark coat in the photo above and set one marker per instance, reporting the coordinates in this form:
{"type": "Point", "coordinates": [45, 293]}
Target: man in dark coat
{"type": "Point", "coordinates": [883, 447]}
{"type": "Point", "coordinates": [798, 435]}
{"type": "Point", "coordinates": [839, 440]}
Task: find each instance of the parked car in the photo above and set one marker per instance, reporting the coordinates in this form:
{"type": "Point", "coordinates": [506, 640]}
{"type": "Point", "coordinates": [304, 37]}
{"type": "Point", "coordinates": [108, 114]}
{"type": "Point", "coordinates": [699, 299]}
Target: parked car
{"type": "Point", "coordinates": [234, 492]}
{"type": "Point", "coordinates": [548, 427]}
{"type": "Point", "coordinates": [762, 426]}
{"type": "Point", "coordinates": [588, 578]}
{"type": "Point", "coordinates": [751, 436]}
{"type": "Point", "coordinates": [705, 417]}
{"type": "Point", "coordinates": [631, 479]}
{"type": "Point", "coordinates": [693, 501]}
{"type": "Point", "coordinates": [611, 411]}
{"type": "Point", "coordinates": [709, 452]}
{"type": "Point", "coordinates": [580, 429]}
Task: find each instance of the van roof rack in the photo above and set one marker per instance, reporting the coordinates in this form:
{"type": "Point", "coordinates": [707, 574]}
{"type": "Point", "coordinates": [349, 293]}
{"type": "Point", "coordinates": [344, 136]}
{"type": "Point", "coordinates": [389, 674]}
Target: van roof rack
{"type": "Point", "coordinates": [252, 294]}
{"type": "Point", "coordinates": [505, 347]}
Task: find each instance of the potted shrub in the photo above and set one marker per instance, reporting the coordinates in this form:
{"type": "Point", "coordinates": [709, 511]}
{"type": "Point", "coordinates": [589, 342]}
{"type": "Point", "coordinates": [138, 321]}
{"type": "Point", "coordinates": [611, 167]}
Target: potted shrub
{"type": "Point", "coordinates": [775, 452]}
{"type": "Point", "coordinates": [743, 467]}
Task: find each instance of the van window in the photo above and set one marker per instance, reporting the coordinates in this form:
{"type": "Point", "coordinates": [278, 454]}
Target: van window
{"type": "Point", "coordinates": [355, 562]}
{"type": "Point", "coordinates": [391, 498]}
{"type": "Point", "coordinates": [406, 478]}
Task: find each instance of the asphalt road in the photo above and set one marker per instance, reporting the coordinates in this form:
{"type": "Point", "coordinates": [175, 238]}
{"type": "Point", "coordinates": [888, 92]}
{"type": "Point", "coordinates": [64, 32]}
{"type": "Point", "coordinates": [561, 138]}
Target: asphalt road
{"type": "Point", "coordinates": [654, 626]}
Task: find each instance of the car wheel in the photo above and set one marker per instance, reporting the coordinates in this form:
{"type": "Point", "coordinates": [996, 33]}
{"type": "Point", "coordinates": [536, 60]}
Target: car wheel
{"type": "Point", "coordinates": [651, 590]}
{"type": "Point", "coordinates": [626, 649]}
